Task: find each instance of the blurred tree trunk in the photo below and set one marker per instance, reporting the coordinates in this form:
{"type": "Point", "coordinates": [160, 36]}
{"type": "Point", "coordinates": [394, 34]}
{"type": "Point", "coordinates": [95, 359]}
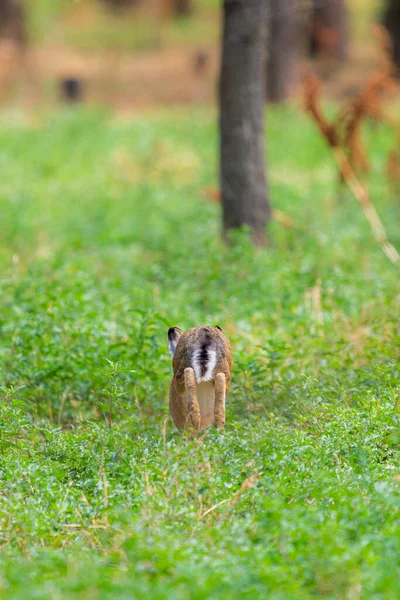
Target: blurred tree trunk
{"type": "Point", "coordinates": [118, 5]}
{"type": "Point", "coordinates": [13, 21]}
{"type": "Point", "coordinates": [182, 8]}
{"type": "Point", "coordinates": [329, 29]}
{"type": "Point", "coordinates": [241, 95]}
{"type": "Point", "coordinates": [282, 43]}
{"type": "Point", "coordinates": [391, 21]}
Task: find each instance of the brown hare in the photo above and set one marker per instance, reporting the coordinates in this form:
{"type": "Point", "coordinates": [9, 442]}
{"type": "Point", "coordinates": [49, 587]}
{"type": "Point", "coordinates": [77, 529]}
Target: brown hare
{"type": "Point", "coordinates": [202, 365]}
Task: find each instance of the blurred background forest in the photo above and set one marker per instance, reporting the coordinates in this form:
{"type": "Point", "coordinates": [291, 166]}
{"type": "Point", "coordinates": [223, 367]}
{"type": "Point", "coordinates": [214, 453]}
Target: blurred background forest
{"type": "Point", "coordinates": [133, 54]}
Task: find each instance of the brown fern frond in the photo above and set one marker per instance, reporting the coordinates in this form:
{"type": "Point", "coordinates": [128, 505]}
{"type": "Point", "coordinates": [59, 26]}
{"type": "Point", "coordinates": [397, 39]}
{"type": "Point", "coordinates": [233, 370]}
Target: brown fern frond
{"type": "Point", "coordinates": [312, 105]}
{"type": "Point", "coordinates": [393, 167]}
{"type": "Point", "coordinates": [343, 136]}
{"type": "Point", "coordinates": [369, 103]}
{"type": "Point", "coordinates": [385, 43]}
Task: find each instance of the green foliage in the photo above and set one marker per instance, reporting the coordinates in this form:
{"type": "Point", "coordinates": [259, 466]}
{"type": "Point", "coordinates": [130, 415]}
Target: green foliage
{"type": "Point", "coordinates": [106, 242]}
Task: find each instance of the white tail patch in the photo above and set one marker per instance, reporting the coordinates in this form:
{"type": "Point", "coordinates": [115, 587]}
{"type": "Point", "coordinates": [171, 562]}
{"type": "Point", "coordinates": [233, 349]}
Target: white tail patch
{"type": "Point", "coordinates": [208, 374]}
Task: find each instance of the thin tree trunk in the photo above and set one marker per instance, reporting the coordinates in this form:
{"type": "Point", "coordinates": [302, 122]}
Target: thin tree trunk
{"type": "Point", "coordinates": [13, 21]}
{"type": "Point", "coordinates": [391, 21]}
{"type": "Point", "coordinates": [182, 8]}
{"type": "Point", "coordinates": [118, 5]}
{"type": "Point", "coordinates": [329, 36]}
{"type": "Point", "coordinates": [242, 91]}
{"type": "Point", "coordinates": [282, 44]}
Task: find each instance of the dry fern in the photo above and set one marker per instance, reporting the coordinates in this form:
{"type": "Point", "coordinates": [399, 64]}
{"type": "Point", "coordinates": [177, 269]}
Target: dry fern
{"type": "Point", "coordinates": [344, 138]}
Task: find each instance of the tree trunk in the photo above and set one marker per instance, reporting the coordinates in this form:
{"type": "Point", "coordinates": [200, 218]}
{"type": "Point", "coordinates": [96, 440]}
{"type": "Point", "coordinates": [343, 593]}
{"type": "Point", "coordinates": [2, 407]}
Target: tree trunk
{"type": "Point", "coordinates": [242, 91]}
{"type": "Point", "coordinates": [119, 5]}
{"type": "Point", "coordinates": [13, 21]}
{"type": "Point", "coordinates": [328, 29]}
{"type": "Point", "coordinates": [391, 21]}
{"type": "Point", "coordinates": [182, 8]}
{"type": "Point", "coordinates": [282, 44]}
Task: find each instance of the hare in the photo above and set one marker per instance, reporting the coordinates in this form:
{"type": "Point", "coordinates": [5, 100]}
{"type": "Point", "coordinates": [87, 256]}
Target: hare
{"type": "Point", "coordinates": [202, 365]}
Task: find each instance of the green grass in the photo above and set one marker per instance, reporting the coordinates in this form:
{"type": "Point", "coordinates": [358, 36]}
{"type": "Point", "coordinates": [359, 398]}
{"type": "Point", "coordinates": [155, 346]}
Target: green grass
{"type": "Point", "coordinates": [105, 243]}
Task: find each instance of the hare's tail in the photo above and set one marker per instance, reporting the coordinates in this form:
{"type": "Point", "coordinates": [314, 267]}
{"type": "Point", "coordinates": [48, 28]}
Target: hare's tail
{"type": "Point", "coordinates": [204, 359]}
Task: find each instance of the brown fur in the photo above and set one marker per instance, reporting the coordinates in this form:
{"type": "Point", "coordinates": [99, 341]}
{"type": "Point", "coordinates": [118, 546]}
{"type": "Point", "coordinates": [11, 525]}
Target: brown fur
{"type": "Point", "coordinates": [190, 401]}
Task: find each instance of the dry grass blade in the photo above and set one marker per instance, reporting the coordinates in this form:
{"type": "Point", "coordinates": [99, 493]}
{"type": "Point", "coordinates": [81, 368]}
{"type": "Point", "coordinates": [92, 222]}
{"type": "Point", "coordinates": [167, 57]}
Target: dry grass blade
{"type": "Point", "coordinates": [207, 512]}
{"type": "Point", "coordinates": [249, 482]}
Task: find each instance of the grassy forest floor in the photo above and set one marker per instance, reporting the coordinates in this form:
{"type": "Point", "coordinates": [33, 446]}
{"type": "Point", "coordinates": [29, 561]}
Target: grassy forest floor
{"type": "Point", "coordinates": [106, 242]}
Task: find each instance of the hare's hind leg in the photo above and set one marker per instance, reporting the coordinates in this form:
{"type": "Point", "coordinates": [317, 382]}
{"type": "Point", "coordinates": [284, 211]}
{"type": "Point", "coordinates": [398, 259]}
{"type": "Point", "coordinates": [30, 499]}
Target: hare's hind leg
{"type": "Point", "coordinates": [178, 406]}
{"type": "Point", "coordinates": [220, 394]}
{"type": "Point", "coordinates": [191, 397]}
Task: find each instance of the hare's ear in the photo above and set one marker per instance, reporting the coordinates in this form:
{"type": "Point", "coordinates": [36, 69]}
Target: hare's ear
{"type": "Point", "coordinates": [174, 333]}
